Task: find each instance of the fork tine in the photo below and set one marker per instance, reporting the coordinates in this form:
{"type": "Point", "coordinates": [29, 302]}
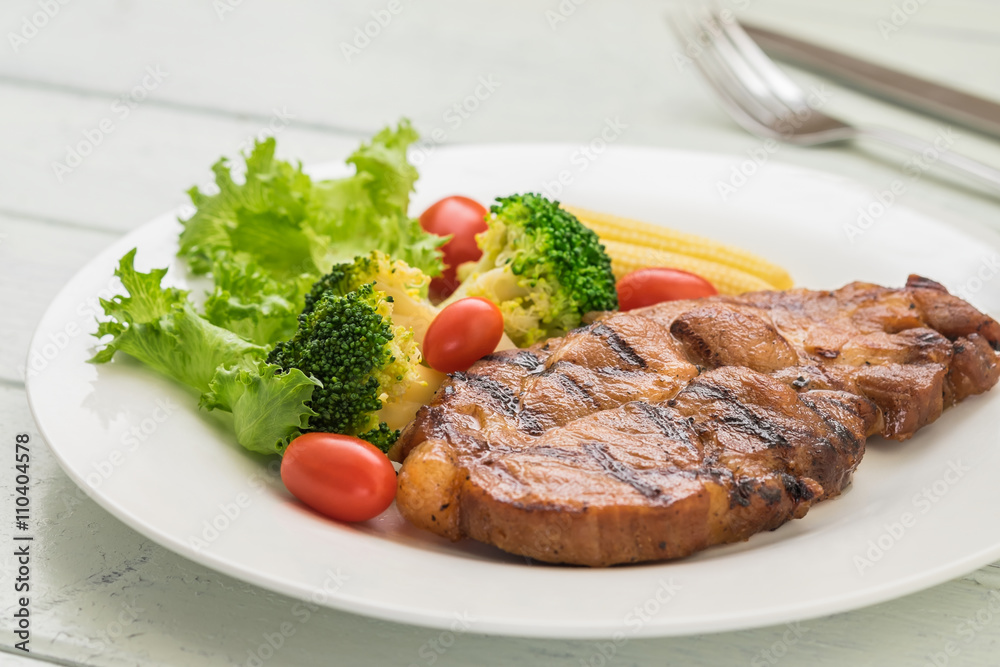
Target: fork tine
{"type": "Point", "coordinates": [780, 84]}
{"type": "Point", "coordinates": [784, 97]}
{"type": "Point", "coordinates": [748, 64]}
{"type": "Point", "coordinates": [742, 103]}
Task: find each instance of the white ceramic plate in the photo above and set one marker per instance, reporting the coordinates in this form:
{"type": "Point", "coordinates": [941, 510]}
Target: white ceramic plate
{"type": "Point", "coordinates": [918, 513]}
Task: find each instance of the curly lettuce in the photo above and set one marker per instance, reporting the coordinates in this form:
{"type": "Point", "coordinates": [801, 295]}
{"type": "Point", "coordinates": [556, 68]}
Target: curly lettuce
{"type": "Point", "coordinates": [266, 240]}
{"type": "Point", "coordinates": [158, 326]}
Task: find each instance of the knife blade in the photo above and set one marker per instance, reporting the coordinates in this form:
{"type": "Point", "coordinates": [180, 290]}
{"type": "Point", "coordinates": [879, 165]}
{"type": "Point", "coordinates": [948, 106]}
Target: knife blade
{"type": "Point", "coordinates": [894, 86]}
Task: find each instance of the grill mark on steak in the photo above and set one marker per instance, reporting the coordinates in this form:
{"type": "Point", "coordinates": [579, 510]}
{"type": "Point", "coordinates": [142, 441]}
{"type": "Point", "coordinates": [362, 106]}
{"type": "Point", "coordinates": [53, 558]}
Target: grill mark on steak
{"type": "Point", "coordinates": [743, 490]}
{"type": "Point", "coordinates": [556, 453]}
{"type": "Point", "coordinates": [770, 495]}
{"type": "Point", "coordinates": [697, 348]}
{"type": "Point", "coordinates": [618, 345]}
{"type": "Point", "coordinates": [573, 387]}
{"type": "Point", "coordinates": [499, 393]}
{"type": "Point", "coordinates": [619, 372]}
{"type": "Point", "coordinates": [505, 399]}
{"type": "Point", "coordinates": [796, 488]}
{"type": "Point", "coordinates": [662, 419]}
{"type": "Point", "coordinates": [739, 416]}
{"type": "Point", "coordinates": [843, 433]}
{"type": "Point", "coordinates": [925, 283]}
{"type": "Point", "coordinates": [524, 359]}
{"type": "Point", "coordinates": [618, 470]}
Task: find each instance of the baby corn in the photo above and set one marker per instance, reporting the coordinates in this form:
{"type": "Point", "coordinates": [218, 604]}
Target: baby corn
{"type": "Point", "coordinates": [684, 247]}
{"type": "Point", "coordinates": [627, 257]}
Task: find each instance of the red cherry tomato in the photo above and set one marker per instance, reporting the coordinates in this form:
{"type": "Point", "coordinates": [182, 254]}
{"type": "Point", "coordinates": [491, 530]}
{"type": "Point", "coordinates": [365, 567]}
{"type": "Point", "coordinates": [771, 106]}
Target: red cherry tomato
{"type": "Point", "coordinates": [461, 218]}
{"type": "Point", "coordinates": [647, 287]}
{"type": "Point", "coordinates": [343, 477]}
{"type": "Point", "coordinates": [463, 333]}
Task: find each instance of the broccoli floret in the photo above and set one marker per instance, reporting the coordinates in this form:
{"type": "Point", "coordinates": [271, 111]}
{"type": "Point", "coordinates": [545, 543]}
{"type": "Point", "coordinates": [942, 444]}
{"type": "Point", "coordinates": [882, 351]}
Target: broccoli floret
{"type": "Point", "coordinates": [404, 286]}
{"type": "Point", "coordinates": [541, 266]}
{"type": "Point", "coordinates": [363, 359]}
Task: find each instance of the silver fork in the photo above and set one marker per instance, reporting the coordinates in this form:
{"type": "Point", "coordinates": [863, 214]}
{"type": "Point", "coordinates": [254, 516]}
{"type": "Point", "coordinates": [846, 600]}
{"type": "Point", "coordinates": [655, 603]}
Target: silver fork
{"type": "Point", "coordinates": [759, 96]}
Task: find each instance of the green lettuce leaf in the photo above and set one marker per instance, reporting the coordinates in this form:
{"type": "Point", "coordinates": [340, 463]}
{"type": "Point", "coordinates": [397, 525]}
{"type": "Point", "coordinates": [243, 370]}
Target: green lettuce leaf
{"type": "Point", "coordinates": [158, 326]}
{"type": "Point", "coordinates": [368, 211]}
{"type": "Point", "coordinates": [282, 227]}
{"type": "Point", "coordinates": [270, 408]}
{"type": "Point", "coordinates": [250, 303]}
{"type": "Point", "coordinates": [229, 223]}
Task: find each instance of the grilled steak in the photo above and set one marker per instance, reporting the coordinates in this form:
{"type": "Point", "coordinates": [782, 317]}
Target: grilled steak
{"type": "Point", "coordinates": [656, 433]}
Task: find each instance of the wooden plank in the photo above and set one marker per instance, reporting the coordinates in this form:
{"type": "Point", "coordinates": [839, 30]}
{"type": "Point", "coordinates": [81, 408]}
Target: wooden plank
{"type": "Point", "coordinates": [555, 67]}
{"type": "Point", "coordinates": [139, 169]}
{"type": "Point", "coordinates": [36, 260]}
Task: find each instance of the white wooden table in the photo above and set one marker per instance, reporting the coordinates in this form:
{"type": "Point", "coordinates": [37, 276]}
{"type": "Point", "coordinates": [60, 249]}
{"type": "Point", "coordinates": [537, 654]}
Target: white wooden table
{"type": "Point", "coordinates": [184, 82]}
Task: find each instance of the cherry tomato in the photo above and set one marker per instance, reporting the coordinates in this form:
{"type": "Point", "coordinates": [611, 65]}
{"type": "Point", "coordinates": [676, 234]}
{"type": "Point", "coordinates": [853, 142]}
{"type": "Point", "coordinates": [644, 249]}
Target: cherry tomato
{"type": "Point", "coordinates": [343, 477]}
{"type": "Point", "coordinates": [463, 333]}
{"type": "Point", "coordinates": [461, 218]}
{"type": "Point", "coordinates": [647, 287]}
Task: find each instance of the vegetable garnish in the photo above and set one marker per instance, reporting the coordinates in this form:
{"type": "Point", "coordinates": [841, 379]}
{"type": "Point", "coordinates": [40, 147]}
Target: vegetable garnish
{"type": "Point", "coordinates": [541, 266]}
{"type": "Point", "coordinates": [345, 478]}
{"type": "Point", "coordinates": [158, 326]}
{"type": "Point", "coordinates": [362, 360]}
{"type": "Point", "coordinates": [460, 218]}
{"type": "Point", "coordinates": [267, 240]}
{"type": "Point", "coordinates": [647, 287]}
{"type": "Point", "coordinates": [463, 333]}
{"type": "Point", "coordinates": [633, 244]}
{"type": "Point", "coordinates": [268, 243]}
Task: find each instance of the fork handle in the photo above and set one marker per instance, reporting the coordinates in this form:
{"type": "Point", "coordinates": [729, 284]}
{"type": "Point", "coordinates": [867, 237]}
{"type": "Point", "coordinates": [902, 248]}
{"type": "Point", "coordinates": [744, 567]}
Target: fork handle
{"type": "Point", "coordinates": [931, 153]}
